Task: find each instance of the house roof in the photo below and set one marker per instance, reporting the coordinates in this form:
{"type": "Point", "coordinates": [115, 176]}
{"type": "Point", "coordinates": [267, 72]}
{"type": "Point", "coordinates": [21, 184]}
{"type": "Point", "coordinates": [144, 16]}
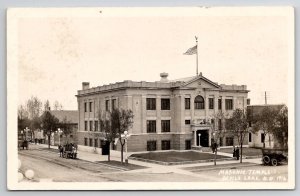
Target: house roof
{"type": "Point", "coordinates": [256, 109]}
{"type": "Point", "coordinates": [168, 84]}
{"type": "Point", "coordinates": [69, 115]}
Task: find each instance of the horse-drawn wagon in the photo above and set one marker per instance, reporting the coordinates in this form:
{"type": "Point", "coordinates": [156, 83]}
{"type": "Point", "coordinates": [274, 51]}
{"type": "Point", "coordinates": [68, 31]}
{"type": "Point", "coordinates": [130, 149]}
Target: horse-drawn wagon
{"type": "Point", "coordinates": [274, 156]}
{"type": "Point", "coordinates": [68, 151]}
{"type": "Point", "coordinates": [23, 144]}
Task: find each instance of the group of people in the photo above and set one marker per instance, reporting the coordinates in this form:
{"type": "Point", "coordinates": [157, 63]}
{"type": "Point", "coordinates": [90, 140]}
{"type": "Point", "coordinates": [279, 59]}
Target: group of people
{"type": "Point", "coordinates": [236, 150]}
{"type": "Point", "coordinates": [70, 147]}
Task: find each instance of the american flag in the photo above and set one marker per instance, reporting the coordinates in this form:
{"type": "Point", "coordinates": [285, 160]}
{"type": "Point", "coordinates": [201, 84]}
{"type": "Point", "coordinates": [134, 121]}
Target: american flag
{"type": "Point", "coordinates": [191, 51]}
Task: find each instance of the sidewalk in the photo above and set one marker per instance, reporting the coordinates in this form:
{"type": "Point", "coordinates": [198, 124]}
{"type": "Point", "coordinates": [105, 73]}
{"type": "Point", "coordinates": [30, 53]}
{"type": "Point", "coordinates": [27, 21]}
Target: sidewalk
{"type": "Point", "coordinates": [152, 167]}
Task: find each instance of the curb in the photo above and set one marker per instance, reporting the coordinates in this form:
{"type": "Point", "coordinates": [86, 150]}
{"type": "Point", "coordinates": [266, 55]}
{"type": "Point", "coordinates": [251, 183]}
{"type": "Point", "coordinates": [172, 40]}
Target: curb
{"type": "Point", "coordinates": [179, 163]}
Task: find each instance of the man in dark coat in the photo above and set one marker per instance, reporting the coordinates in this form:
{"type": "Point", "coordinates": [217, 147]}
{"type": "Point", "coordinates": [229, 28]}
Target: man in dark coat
{"type": "Point", "coordinates": [61, 150]}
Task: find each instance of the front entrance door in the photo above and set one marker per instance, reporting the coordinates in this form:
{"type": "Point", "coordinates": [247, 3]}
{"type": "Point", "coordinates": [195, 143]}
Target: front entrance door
{"type": "Point", "coordinates": [203, 138]}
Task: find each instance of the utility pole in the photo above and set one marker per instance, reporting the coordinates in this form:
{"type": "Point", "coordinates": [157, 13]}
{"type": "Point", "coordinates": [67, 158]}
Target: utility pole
{"type": "Point", "coordinates": [266, 98]}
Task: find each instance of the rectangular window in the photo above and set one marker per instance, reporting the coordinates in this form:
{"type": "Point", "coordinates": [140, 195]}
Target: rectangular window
{"type": "Point", "coordinates": [250, 137]}
{"type": "Point", "coordinates": [101, 126]}
{"type": "Point", "coordinates": [188, 144]}
{"type": "Point", "coordinates": [96, 125]}
{"type": "Point", "coordinates": [102, 142]}
{"type": "Point", "coordinates": [187, 122]}
{"type": "Point", "coordinates": [212, 121]}
{"type": "Point", "coordinates": [151, 126]}
{"type": "Point", "coordinates": [107, 105]}
{"type": "Point", "coordinates": [262, 137]}
{"type": "Point", "coordinates": [91, 125]}
{"type": "Point", "coordinates": [151, 145]}
{"type": "Point", "coordinates": [220, 124]}
{"type": "Point", "coordinates": [165, 144]}
{"type": "Point", "coordinates": [151, 104]}
{"type": "Point", "coordinates": [165, 126]}
{"type": "Point", "coordinates": [85, 125]}
{"type": "Point", "coordinates": [113, 104]}
{"type": "Point", "coordinates": [86, 141]}
{"type": "Point", "coordinates": [91, 106]}
{"type": "Point", "coordinates": [211, 103]}
{"type": "Point", "coordinates": [96, 143]}
{"type": "Point", "coordinates": [228, 104]}
{"type": "Point", "coordinates": [229, 141]}
{"type": "Point", "coordinates": [228, 123]}
{"type": "Point", "coordinates": [91, 142]}
{"type": "Point", "coordinates": [165, 104]}
{"type": "Point", "coordinates": [85, 106]}
{"type": "Point", "coordinates": [248, 101]}
{"type": "Point", "coordinates": [220, 104]}
{"type": "Point", "coordinates": [221, 141]}
{"type": "Point", "coordinates": [187, 103]}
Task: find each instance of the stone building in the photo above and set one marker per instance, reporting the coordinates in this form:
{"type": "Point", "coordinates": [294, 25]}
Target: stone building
{"type": "Point", "coordinates": [168, 114]}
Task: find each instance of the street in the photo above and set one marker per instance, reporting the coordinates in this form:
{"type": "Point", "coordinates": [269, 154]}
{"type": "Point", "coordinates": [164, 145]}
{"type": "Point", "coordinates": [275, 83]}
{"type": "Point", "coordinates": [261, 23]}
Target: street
{"type": "Point", "coordinates": [47, 165]}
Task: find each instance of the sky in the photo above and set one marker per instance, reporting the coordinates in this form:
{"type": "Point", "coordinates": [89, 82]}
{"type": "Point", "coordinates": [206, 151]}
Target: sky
{"type": "Point", "coordinates": [57, 54]}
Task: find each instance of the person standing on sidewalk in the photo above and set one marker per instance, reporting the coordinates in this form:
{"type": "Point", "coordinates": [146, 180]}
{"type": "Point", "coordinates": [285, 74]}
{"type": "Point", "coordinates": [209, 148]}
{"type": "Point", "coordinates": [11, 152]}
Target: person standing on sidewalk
{"type": "Point", "coordinates": [237, 153]}
{"type": "Point", "coordinates": [234, 152]}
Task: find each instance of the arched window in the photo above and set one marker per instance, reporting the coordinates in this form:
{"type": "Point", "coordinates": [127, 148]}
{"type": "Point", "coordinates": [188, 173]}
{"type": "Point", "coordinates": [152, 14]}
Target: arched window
{"type": "Point", "coordinates": [199, 103]}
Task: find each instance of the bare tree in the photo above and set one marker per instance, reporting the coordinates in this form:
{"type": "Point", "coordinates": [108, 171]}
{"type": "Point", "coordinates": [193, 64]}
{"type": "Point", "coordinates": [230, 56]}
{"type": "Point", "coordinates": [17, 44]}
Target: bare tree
{"type": "Point", "coordinates": [47, 105]}
{"type": "Point", "coordinates": [49, 123]}
{"type": "Point", "coordinates": [218, 127]}
{"type": "Point", "coordinates": [34, 107]}
{"type": "Point", "coordinates": [239, 124]}
{"type": "Point", "coordinates": [23, 120]}
{"type": "Point", "coordinates": [57, 106]}
{"type": "Point", "coordinates": [105, 120]}
{"type": "Point", "coordinates": [22, 112]}
{"type": "Point", "coordinates": [122, 121]}
{"type": "Point", "coordinates": [114, 124]}
{"type": "Point", "coordinates": [281, 129]}
{"type": "Point", "coordinates": [28, 115]}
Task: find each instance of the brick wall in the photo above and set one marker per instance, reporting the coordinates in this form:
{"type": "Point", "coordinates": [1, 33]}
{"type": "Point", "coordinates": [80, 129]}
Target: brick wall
{"type": "Point", "coordinates": [139, 142]}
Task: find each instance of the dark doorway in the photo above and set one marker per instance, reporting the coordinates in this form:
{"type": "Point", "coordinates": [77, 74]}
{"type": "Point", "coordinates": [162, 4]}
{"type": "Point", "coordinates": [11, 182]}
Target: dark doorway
{"type": "Point", "coordinates": [203, 138]}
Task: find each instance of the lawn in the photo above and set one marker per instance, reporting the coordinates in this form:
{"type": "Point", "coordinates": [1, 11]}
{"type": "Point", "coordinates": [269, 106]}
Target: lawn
{"type": "Point", "coordinates": [173, 156]}
{"type": "Point", "coordinates": [246, 151]}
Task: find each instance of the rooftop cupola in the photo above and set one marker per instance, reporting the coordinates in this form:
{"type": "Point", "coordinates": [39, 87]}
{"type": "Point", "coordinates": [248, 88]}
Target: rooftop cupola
{"type": "Point", "coordinates": [164, 77]}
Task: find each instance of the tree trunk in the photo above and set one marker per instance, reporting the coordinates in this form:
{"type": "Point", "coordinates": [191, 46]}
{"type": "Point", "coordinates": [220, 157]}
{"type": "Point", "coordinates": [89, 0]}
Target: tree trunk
{"type": "Point", "coordinates": [122, 154]}
{"type": "Point", "coordinates": [49, 136]}
{"type": "Point", "coordinates": [241, 151]}
{"type": "Point", "coordinates": [109, 152]}
{"type": "Point", "coordinates": [216, 151]}
{"type": "Point", "coordinates": [264, 142]}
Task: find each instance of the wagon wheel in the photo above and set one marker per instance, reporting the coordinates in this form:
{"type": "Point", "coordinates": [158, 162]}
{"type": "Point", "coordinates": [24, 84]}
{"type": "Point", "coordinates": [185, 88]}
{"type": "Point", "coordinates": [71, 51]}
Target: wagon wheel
{"type": "Point", "coordinates": [274, 162]}
{"type": "Point", "coordinates": [266, 160]}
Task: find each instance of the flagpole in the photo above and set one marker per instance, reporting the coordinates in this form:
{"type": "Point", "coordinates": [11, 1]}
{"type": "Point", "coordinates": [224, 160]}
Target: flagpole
{"type": "Point", "coordinates": [196, 55]}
